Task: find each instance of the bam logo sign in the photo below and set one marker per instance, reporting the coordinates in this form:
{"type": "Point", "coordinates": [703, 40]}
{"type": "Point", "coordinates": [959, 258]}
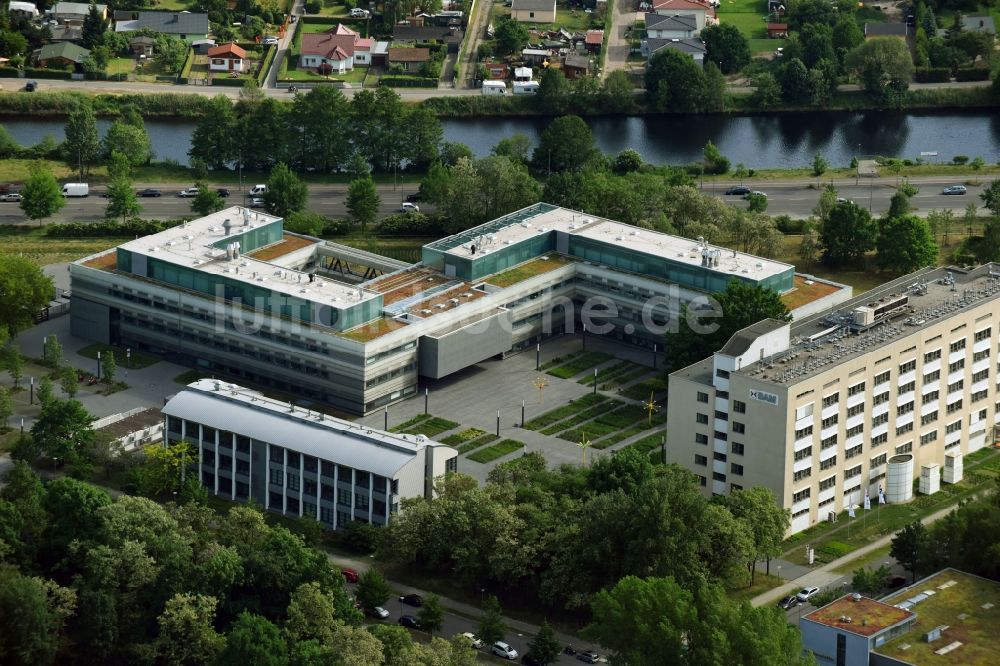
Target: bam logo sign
{"type": "Point", "coordinates": [764, 396]}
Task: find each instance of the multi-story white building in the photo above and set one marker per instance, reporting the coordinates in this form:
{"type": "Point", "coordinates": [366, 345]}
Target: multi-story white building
{"type": "Point", "coordinates": [234, 294]}
{"type": "Point", "coordinates": [298, 462]}
{"type": "Point", "coordinates": [893, 386]}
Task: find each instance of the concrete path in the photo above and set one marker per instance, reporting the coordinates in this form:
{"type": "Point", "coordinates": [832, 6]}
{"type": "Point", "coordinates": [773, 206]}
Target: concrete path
{"type": "Point", "coordinates": [623, 15]}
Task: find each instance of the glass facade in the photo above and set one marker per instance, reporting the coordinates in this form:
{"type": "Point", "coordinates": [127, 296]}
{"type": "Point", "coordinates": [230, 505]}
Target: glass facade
{"type": "Point", "coordinates": [252, 239]}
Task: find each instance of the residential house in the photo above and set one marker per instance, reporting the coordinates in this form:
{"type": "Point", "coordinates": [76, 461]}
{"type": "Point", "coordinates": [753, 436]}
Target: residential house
{"type": "Point", "coordinates": [594, 41]}
{"type": "Point", "coordinates": [535, 56]}
{"type": "Point", "coordinates": [60, 55]}
{"type": "Point", "coordinates": [142, 46]}
{"type": "Point", "coordinates": [533, 11]}
{"type": "Point", "coordinates": [444, 34]}
{"type": "Point", "coordinates": [693, 46]}
{"type": "Point", "coordinates": [26, 10]}
{"type": "Point", "coordinates": [497, 71]}
{"type": "Point", "coordinates": [132, 429]}
{"type": "Point", "coordinates": [576, 67]}
{"type": "Point", "coordinates": [201, 46]}
{"type": "Point", "coordinates": [188, 26]}
{"type": "Point", "coordinates": [227, 58]}
{"type": "Point", "coordinates": [777, 30]}
{"type": "Point", "coordinates": [75, 12]}
{"type": "Point", "coordinates": [972, 23]}
{"type": "Point", "coordinates": [411, 60]}
{"type": "Point", "coordinates": [522, 74]}
{"type": "Point", "coordinates": [900, 30]}
{"type": "Point", "coordinates": [334, 47]}
{"type": "Point", "coordinates": [671, 26]}
{"type": "Point", "coordinates": [124, 15]}
{"type": "Point", "coordinates": [66, 33]}
{"type": "Point", "coordinates": [703, 12]}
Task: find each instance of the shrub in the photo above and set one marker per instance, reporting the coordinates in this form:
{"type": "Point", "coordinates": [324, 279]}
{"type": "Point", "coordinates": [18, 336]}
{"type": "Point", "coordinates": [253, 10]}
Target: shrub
{"type": "Point", "coordinates": [933, 75]}
{"type": "Point", "coordinates": [313, 6]}
{"type": "Point", "coordinates": [411, 224]}
{"type": "Point", "coordinates": [110, 228]}
{"type": "Point", "coordinates": [960, 159]}
{"type": "Point", "coordinates": [787, 225]}
{"type": "Point", "coordinates": [972, 74]}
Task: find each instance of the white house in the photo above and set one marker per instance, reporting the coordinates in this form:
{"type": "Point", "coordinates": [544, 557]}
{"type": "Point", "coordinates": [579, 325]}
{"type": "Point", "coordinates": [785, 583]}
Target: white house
{"type": "Point", "coordinates": [703, 12]}
{"type": "Point", "coordinates": [23, 9]}
{"type": "Point", "coordinates": [694, 47]}
{"type": "Point", "coordinates": [338, 48]}
{"type": "Point", "coordinates": [673, 26]}
{"type": "Point", "coordinates": [227, 58]}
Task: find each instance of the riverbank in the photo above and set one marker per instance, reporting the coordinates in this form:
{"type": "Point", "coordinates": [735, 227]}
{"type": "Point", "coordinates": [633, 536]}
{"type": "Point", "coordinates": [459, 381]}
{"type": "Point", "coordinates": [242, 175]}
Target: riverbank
{"type": "Point", "coordinates": [196, 104]}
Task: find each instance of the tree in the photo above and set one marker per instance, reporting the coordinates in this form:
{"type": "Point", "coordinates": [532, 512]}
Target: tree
{"type": "Point", "coordinates": [306, 223]}
{"type": "Point", "coordinates": [940, 222]}
{"type": "Point", "coordinates": [517, 148]}
{"type": "Point", "coordinates": [372, 589]}
{"type": "Point", "coordinates": [42, 196]}
{"type": "Point", "coordinates": [810, 247]}
{"type": "Point", "coordinates": [870, 582]}
{"type": "Point", "coordinates": [24, 291]}
{"type": "Point", "coordinates": [491, 627]}
{"type": "Point", "coordinates": [15, 364]}
{"type": "Point", "coordinates": [6, 408]}
{"type": "Point", "coordinates": [207, 201]}
{"type": "Point", "coordinates": [906, 546]}
{"type": "Point", "coordinates": [714, 160]}
{"type": "Point", "coordinates": [363, 202]}
{"type": "Point", "coordinates": [52, 352]}
{"type": "Point", "coordinates": [884, 67]}
{"type": "Point", "coordinates": [311, 614]}
{"type": "Point", "coordinates": [81, 147]}
{"type": "Point", "coordinates": [565, 145]}
{"type": "Point", "coordinates": [796, 86]}
{"type": "Point", "coordinates": [758, 202]}
{"type": "Point", "coordinates": [122, 199]}
{"type": "Point", "coordinates": [317, 117]}
{"type": "Point", "coordinates": [553, 92]}
{"type": "Point", "coordinates": [68, 381]}
{"type": "Point", "coordinates": [129, 140]}
{"type": "Point", "coordinates": [109, 368]}
{"type": "Point", "coordinates": [544, 646]}
{"type": "Point", "coordinates": [254, 641]}
{"type": "Point", "coordinates": [213, 138]}
{"type": "Point", "coordinates": [627, 161]}
{"type": "Point", "coordinates": [674, 82]}
{"type": "Point", "coordinates": [29, 636]}
{"type": "Point", "coordinates": [726, 46]}
{"type": "Point", "coordinates": [93, 28]}
{"type": "Point", "coordinates": [63, 429]}
{"type": "Point", "coordinates": [767, 91]}
{"type": "Point", "coordinates": [187, 634]}
{"type": "Point", "coordinates": [847, 33]}
{"type": "Point", "coordinates": [970, 217]}
{"type": "Point", "coordinates": [161, 472]}
{"type": "Point", "coordinates": [431, 615]}
{"type": "Point", "coordinates": [767, 520]}
{"type": "Point", "coordinates": [511, 36]}
{"type": "Point", "coordinates": [739, 306]}
{"type": "Point", "coordinates": [899, 205]}
{"type": "Point", "coordinates": [819, 164]}
{"type": "Point", "coordinates": [452, 151]}
{"type": "Point", "coordinates": [45, 391]}
{"type": "Point", "coordinates": [991, 196]}
{"type": "Point", "coordinates": [285, 192]}
{"type": "Point", "coordinates": [847, 234]}
{"type": "Point", "coordinates": [618, 92]}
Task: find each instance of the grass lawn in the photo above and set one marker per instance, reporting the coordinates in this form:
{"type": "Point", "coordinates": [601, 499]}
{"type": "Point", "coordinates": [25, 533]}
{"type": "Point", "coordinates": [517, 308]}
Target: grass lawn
{"type": "Point", "coordinates": [530, 269]}
{"type": "Point", "coordinates": [174, 5]}
{"type": "Point", "coordinates": [579, 364]}
{"type": "Point", "coordinates": [432, 426]}
{"type": "Point", "coordinates": [497, 450]}
{"type": "Point", "coordinates": [738, 590]}
{"type": "Point", "coordinates": [750, 17]}
{"type": "Point", "coordinates": [137, 361]}
{"type": "Point", "coordinates": [354, 76]}
{"type": "Point", "coordinates": [463, 437]}
{"type": "Point", "coordinates": [476, 443]}
{"type": "Point", "coordinates": [560, 413]}
{"type": "Point", "coordinates": [333, 8]}
{"type": "Point", "coordinates": [873, 560]}
{"type": "Point", "coordinates": [43, 250]}
{"type": "Point", "coordinates": [120, 66]}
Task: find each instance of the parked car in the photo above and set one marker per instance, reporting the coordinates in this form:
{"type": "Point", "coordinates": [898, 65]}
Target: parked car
{"type": "Point", "coordinates": [256, 202]}
{"type": "Point", "coordinates": [380, 612]}
{"type": "Point", "coordinates": [223, 192]}
{"type": "Point", "coordinates": [407, 207]}
{"type": "Point", "coordinates": [149, 192]}
{"type": "Point", "coordinates": [31, 86]}
{"type": "Point", "coordinates": [350, 575]}
{"type": "Point", "coordinates": [357, 12]}
{"type": "Point", "coordinates": [189, 192]}
{"type": "Point", "coordinates": [844, 200]}
{"type": "Point", "coordinates": [11, 196]}
{"type": "Point", "coordinates": [409, 622]}
{"type": "Point", "coordinates": [270, 41]}
{"type": "Point", "coordinates": [412, 600]}
{"type": "Point", "coordinates": [893, 582]}
{"type": "Point", "coordinates": [788, 602]}
{"type": "Point", "coordinates": [258, 190]}
{"type": "Point", "coordinates": [415, 197]}
{"type": "Point", "coordinates": [504, 650]}
{"type": "Point", "coordinates": [589, 657]}
{"type": "Point", "coordinates": [473, 641]}
{"type": "Point", "coordinates": [806, 594]}
{"type": "Point", "coordinates": [529, 660]}
{"type": "Point", "coordinates": [738, 189]}
{"type": "Point", "coordinates": [750, 194]}
{"type": "Point", "coordinates": [954, 189]}
{"type": "Point", "coordinates": [780, 52]}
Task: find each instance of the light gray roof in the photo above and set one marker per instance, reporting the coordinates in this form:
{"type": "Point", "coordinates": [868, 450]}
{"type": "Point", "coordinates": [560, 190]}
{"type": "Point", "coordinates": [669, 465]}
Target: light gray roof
{"type": "Point", "coordinates": [576, 61]}
{"type": "Point", "coordinates": [977, 23]}
{"type": "Point", "coordinates": [672, 22]}
{"type": "Point", "coordinates": [244, 412]}
{"type": "Point", "coordinates": [886, 30]}
{"type": "Point", "coordinates": [174, 23]}
{"type": "Point", "coordinates": [743, 338]}
{"type": "Point", "coordinates": [533, 5]}
{"type": "Point", "coordinates": [82, 8]}
{"type": "Point", "coordinates": [692, 45]}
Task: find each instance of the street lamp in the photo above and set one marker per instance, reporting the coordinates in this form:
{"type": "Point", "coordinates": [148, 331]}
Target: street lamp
{"type": "Point", "coordinates": [98, 365]}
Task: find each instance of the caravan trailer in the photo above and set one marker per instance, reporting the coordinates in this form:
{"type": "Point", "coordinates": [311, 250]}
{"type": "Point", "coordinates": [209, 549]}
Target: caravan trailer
{"type": "Point", "coordinates": [494, 88]}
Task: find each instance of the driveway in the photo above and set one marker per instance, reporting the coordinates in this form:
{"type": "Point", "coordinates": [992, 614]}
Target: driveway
{"type": "Point", "coordinates": [623, 16]}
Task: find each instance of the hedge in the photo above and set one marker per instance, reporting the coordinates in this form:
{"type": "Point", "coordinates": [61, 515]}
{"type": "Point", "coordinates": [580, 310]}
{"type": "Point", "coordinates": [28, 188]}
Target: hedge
{"type": "Point", "coordinates": [265, 65]}
{"type": "Point", "coordinates": [188, 63]}
{"type": "Point", "coordinates": [8, 73]}
{"type": "Point", "coordinates": [105, 105]}
{"type": "Point", "coordinates": [32, 73]}
{"type": "Point", "coordinates": [110, 228]}
{"type": "Point", "coordinates": [972, 74]}
{"type": "Point", "coordinates": [933, 75]}
{"type": "Point", "coordinates": [232, 83]}
{"type": "Point", "coordinates": [412, 224]}
{"type": "Point", "coordinates": [409, 82]}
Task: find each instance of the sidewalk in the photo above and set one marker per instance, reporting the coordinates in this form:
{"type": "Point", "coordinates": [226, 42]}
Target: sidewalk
{"type": "Point", "coordinates": [825, 574]}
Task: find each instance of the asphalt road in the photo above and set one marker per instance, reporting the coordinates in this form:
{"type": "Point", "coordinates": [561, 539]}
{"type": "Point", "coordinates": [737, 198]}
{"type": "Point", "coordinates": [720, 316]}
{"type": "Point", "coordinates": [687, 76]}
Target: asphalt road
{"type": "Point", "coordinates": [795, 198]}
{"type": "Point", "coordinates": [328, 200]}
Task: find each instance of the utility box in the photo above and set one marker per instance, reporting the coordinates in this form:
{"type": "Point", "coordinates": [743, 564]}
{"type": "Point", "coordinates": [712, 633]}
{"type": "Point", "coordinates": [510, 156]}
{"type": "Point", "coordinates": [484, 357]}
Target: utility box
{"type": "Point", "coordinates": [952, 467]}
{"type": "Point", "coordinates": [930, 479]}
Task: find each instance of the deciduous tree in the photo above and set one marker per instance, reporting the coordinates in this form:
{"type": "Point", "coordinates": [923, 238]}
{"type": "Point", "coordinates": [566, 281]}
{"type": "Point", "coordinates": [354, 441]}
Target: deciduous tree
{"type": "Point", "coordinates": [431, 614]}
{"type": "Point", "coordinates": [372, 589]}
{"type": "Point", "coordinates": [207, 201]}
{"type": "Point", "coordinates": [363, 202]}
{"type": "Point", "coordinates": [491, 627]}
{"type": "Point", "coordinates": [41, 194]}
{"type": "Point", "coordinates": [906, 545]}
{"type": "Point", "coordinates": [767, 520]}
{"type": "Point", "coordinates": [253, 640]}
{"type": "Point", "coordinates": [122, 199]}
{"type": "Point", "coordinates": [187, 634]}
{"type": "Point", "coordinates": [726, 46]}
{"type": "Point", "coordinates": [565, 145]}
{"type": "Point", "coordinates": [81, 147]}
{"type": "Point", "coordinates": [884, 67]}
{"type": "Point", "coordinates": [213, 140]}
{"type": "Point", "coordinates": [63, 429]}
{"type": "Point", "coordinates": [544, 645]}
{"type": "Point", "coordinates": [848, 233]}
{"type": "Point", "coordinates": [285, 192]}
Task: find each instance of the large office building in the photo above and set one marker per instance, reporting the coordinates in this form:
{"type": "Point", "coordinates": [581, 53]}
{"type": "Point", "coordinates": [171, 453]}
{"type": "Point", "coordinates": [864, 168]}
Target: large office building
{"type": "Point", "coordinates": [894, 386]}
{"type": "Point", "coordinates": [298, 462]}
{"type": "Point", "coordinates": [236, 295]}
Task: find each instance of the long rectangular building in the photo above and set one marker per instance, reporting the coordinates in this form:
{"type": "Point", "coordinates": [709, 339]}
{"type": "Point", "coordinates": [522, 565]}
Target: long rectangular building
{"type": "Point", "coordinates": [236, 295]}
{"type": "Point", "coordinates": [893, 386]}
{"type": "Point", "coordinates": [298, 462]}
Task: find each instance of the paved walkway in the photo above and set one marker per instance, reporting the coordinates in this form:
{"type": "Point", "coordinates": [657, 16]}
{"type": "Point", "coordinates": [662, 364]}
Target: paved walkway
{"type": "Point", "coordinates": [824, 575]}
{"type": "Point", "coordinates": [623, 15]}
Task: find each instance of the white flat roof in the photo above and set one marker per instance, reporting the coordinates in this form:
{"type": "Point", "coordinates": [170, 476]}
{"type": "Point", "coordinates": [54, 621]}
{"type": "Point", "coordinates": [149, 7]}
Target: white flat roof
{"type": "Point", "coordinates": [243, 411]}
{"type": "Point", "coordinates": [190, 245]}
{"type": "Point", "coordinates": [674, 248]}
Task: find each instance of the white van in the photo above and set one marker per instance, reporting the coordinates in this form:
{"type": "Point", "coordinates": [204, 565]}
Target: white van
{"type": "Point", "coordinates": [494, 88]}
{"type": "Point", "coordinates": [258, 190]}
{"type": "Point", "coordinates": [75, 190]}
{"type": "Point", "coordinates": [525, 87]}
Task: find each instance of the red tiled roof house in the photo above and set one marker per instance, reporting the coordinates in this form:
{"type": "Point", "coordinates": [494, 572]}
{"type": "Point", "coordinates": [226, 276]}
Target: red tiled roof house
{"type": "Point", "coordinates": [337, 47]}
{"type": "Point", "coordinates": [594, 40]}
{"type": "Point", "coordinates": [704, 13]}
{"type": "Point", "coordinates": [411, 60]}
{"type": "Point", "coordinates": [226, 58]}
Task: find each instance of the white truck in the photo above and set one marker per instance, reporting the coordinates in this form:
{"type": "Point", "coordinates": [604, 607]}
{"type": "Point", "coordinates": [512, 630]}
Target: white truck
{"type": "Point", "coordinates": [525, 87]}
{"type": "Point", "coordinates": [75, 190]}
{"type": "Point", "coordinates": [494, 88]}
{"type": "Point", "coordinates": [258, 190]}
